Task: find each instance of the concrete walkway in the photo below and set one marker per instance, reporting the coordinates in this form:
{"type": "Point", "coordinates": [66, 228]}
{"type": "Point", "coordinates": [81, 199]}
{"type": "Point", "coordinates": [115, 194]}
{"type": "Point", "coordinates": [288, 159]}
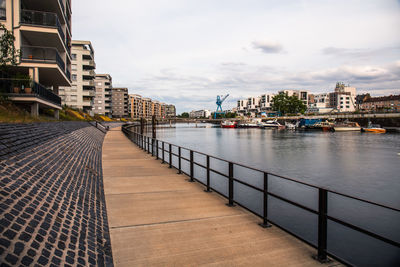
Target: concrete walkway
{"type": "Point", "coordinates": [157, 218]}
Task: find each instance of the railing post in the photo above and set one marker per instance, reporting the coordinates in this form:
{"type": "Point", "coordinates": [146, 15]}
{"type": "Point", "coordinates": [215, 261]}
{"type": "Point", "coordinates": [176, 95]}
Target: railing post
{"type": "Point", "coordinates": [148, 145]}
{"type": "Point", "coordinates": [170, 156]}
{"type": "Point", "coordinates": [163, 161]}
{"type": "Point", "coordinates": [322, 225]}
{"type": "Point", "coordinates": [152, 147]}
{"type": "Point", "coordinates": [230, 203]}
{"type": "Point", "coordinates": [179, 161]}
{"type": "Point", "coordinates": [191, 167]}
{"type": "Point", "coordinates": [265, 223]}
{"type": "Point", "coordinates": [208, 190]}
{"type": "Point", "coordinates": [156, 149]}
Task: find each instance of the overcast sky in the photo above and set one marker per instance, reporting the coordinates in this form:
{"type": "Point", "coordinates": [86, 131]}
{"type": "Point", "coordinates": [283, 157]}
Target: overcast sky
{"type": "Point", "coordinates": [185, 52]}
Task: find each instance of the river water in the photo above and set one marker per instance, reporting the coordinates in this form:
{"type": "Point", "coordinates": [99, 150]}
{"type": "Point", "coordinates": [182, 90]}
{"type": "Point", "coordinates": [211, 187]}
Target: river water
{"type": "Point", "coordinates": [358, 164]}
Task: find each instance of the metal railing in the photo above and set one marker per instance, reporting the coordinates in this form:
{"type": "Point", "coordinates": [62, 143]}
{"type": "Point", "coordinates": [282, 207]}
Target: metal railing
{"type": "Point", "coordinates": [42, 54]}
{"type": "Point", "coordinates": [100, 126]}
{"type": "Point", "coordinates": [40, 18]}
{"type": "Point", "coordinates": [231, 171]}
{"type": "Point", "coordinates": [23, 88]}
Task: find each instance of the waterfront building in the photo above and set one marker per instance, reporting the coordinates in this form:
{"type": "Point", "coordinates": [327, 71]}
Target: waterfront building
{"type": "Point", "coordinates": [170, 111]}
{"type": "Point", "coordinates": [301, 94]}
{"type": "Point", "coordinates": [156, 109]}
{"type": "Point", "coordinates": [135, 106]}
{"type": "Point", "coordinates": [42, 31]}
{"type": "Point", "coordinates": [266, 102]}
{"type": "Point", "coordinates": [163, 110]}
{"type": "Point", "coordinates": [143, 107]}
{"type": "Point", "coordinates": [383, 103]}
{"type": "Point", "coordinates": [81, 93]}
{"type": "Point", "coordinates": [321, 104]}
{"type": "Point", "coordinates": [343, 99]}
{"type": "Point", "coordinates": [103, 98]}
{"type": "Point", "coordinates": [361, 99]}
{"type": "Point", "coordinates": [203, 113]}
{"type": "Point", "coordinates": [120, 103]}
{"type": "Point", "coordinates": [147, 108]}
{"type": "Point", "coordinates": [242, 106]}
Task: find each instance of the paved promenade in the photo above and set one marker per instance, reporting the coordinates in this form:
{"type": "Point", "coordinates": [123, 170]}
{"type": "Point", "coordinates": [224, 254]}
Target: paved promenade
{"type": "Point", "coordinates": [157, 218]}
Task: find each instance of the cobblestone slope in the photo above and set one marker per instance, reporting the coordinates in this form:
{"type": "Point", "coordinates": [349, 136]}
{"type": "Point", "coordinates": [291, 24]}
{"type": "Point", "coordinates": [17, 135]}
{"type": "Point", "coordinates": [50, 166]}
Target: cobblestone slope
{"type": "Point", "coordinates": [52, 204]}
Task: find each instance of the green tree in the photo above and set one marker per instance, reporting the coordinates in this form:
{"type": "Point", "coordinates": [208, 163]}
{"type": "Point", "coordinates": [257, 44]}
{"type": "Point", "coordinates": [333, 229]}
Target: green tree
{"type": "Point", "coordinates": [185, 115]}
{"type": "Point", "coordinates": [8, 54]}
{"type": "Point", "coordinates": [288, 104]}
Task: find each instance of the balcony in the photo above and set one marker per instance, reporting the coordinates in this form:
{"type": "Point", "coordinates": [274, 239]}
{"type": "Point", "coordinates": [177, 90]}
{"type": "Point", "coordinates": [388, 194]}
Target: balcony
{"type": "Point", "coordinates": [90, 73]}
{"type": "Point", "coordinates": [36, 54]}
{"type": "Point", "coordinates": [88, 83]}
{"type": "Point", "coordinates": [89, 63]}
{"type": "Point", "coordinates": [22, 90]}
{"type": "Point", "coordinates": [88, 93]}
{"type": "Point", "coordinates": [44, 19]}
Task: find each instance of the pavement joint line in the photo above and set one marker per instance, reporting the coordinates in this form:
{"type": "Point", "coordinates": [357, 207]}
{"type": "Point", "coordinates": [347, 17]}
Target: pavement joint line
{"type": "Point", "coordinates": [151, 192]}
{"type": "Point", "coordinates": [176, 221]}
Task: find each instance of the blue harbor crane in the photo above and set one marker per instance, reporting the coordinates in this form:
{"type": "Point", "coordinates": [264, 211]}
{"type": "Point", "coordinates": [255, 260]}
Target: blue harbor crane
{"type": "Point", "coordinates": [220, 100]}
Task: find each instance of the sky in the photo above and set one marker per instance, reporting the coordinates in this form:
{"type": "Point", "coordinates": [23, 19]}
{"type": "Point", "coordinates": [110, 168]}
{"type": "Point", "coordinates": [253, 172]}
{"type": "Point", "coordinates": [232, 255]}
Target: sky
{"type": "Point", "coordinates": [186, 52]}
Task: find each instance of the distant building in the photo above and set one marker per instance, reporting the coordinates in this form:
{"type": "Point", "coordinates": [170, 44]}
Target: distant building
{"type": "Point", "coordinates": [266, 102]}
{"type": "Point", "coordinates": [343, 99]}
{"type": "Point", "coordinates": [390, 103]}
{"type": "Point", "coordinates": [81, 93]}
{"type": "Point", "coordinates": [135, 106]}
{"type": "Point", "coordinates": [103, 98]}
{"type": "Point", "coordinates": [120, 103]}
{"type": "Point", "coordinates": [200, 114]}
{"type": "Point", "coordinates": [301, 94]}
{"type": "Point", "coordinates": [361, 99]}
{"type": "Point", "coordinates": [242, 106]}
{"type": "Point", "coordinates": [170, 111]}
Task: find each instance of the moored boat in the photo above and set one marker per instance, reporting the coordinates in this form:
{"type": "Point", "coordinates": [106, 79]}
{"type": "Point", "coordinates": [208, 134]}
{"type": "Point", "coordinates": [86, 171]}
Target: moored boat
{"type": "Point", "coordinates": [373, 128]}
{"type": "Point", "coordinates": [347, 127]}
{"type": "Point", "coordinates": [228, 124]}
{"type": "Point", "coordinates": [270, 124]}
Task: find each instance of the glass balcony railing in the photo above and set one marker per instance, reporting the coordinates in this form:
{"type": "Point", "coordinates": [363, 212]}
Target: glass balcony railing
{"type": "Point", "coordinates": [41, 18]}
{"type": "Point", "coordinates": [24, 88]}
{"type": "Point", "coordinates": [41, 54]}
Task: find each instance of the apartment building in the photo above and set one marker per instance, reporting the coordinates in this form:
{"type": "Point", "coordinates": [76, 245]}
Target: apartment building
{"type": "Point", "coordinates": [266, 102]}
{"type": "Point", "coordinates": [255, 105]}
{"type": "Point", "coordinates": [42, 31]}
{"type": "Point", "coordinates": [135, 106]}
{"type": "Point", "coordinates": [120, 103]}
{"type": "Point", "coordinates": [103, 98]}
{"type": "Point", "coordinates": [170, 111]}
{"type": "Point", "coordinates": [383, 103]}
{"type": "Point", "coordinates": [82, 91]}
{"type": "Point", "coordinates": [343, 99]}
{"type": "Point", "coordinates": [301, 94]}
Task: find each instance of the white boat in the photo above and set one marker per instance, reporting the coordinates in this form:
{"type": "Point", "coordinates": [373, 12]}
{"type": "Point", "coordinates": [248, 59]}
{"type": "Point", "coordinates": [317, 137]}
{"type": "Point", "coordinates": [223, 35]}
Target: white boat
{"type": "Point", "coordinates": [290, 126]}
{"type": "Point", "coordinates": [347, 127]}
{"type": "Point", "coordinates": [270, 124]}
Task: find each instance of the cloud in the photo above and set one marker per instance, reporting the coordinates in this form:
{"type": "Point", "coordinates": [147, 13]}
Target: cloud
{"type": "Point", "coordinates": [268, 47]}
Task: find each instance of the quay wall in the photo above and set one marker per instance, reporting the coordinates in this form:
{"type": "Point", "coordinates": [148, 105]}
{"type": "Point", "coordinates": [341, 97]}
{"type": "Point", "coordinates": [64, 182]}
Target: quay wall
{"type": "Point", "coordinates": [52, 203]}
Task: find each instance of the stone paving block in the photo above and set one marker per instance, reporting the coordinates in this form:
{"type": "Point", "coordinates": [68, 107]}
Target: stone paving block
{"type": "Point", "coordinates": [52, 205]}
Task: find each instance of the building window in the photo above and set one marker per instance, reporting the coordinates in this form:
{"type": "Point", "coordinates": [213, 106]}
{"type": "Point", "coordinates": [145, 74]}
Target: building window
{"type": "Point", "coordinates": [3, 9]}
{"type": "Point", "coordinates": [74, 77]}
{"type": "Point", "coordinates": [73, 55]}
{"type": "Point", "coordinates": [73, 67]}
